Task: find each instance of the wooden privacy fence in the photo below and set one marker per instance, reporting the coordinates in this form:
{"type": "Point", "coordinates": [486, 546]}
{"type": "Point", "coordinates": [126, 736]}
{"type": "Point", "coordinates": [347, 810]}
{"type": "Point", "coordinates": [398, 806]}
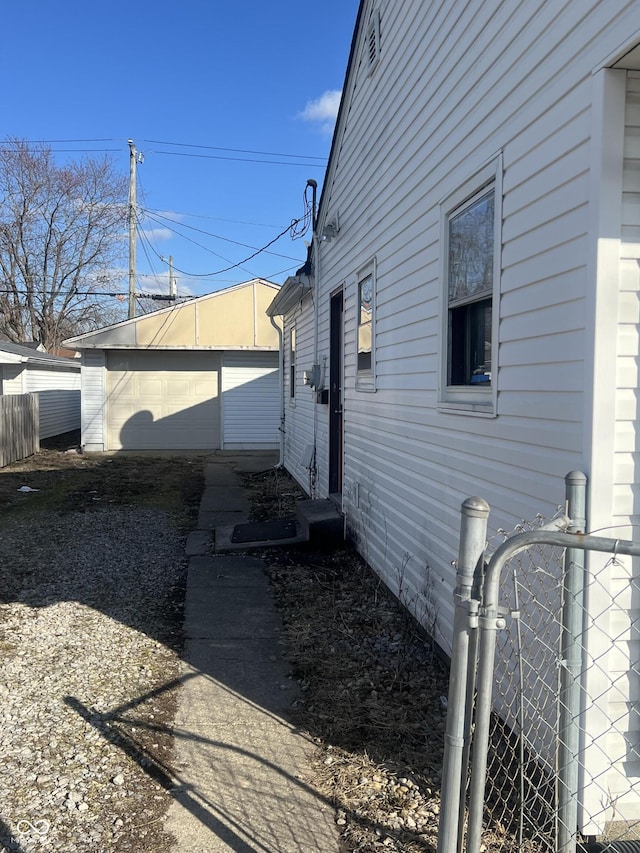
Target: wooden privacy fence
{"type": "Point", "coordinates": [19, 427]}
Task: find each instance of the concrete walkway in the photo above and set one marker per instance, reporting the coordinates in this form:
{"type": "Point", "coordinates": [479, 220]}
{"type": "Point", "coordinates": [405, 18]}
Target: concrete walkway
{"type": "Point", "coordinates": [240, 766]}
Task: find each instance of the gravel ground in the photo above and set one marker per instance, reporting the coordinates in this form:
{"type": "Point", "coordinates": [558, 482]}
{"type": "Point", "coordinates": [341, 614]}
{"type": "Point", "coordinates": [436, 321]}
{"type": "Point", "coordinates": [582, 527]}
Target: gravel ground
{"type": "Point", "coordinates": [92, 573]}
{"type": "Point", "coordinates": [85, 649]}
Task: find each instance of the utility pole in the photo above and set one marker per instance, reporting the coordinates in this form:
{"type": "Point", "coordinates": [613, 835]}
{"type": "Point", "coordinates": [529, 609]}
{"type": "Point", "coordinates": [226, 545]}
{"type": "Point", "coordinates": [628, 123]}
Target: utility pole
{"type": "Point", "coordinates": [132, 229]}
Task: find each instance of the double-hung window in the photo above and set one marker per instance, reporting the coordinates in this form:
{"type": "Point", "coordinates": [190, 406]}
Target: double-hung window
{"type": "Point", "coordinates": [471, 238]}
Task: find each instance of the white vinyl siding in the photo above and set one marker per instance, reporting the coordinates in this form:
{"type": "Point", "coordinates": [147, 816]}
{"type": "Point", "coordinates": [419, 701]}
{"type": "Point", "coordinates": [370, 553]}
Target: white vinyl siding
{"type": "Point", "coordinates": [250, 401]}
{"type": "Point", "coordinates": [13, 378]}
{"type": "Point", "coordinates": [58, 388]}
{"type": "Point", "coordinates": [93, 400]}
{"type": "Point", "coordinates": [299, 411]}
{"type": "Point", "coordinates": [59, 397]}
{"type": "Point", "coordinates": [455, 89]}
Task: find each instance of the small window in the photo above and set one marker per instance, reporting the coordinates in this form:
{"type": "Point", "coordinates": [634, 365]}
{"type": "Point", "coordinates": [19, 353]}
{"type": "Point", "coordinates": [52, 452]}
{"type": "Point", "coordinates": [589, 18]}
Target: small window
{"type": "Point", "coordinates": [365, 305]}
{"type": "Point", "coordinates": [470, 271]}
{"type": "Point", "coordinates": [292, 362]}
{"type": "Point", "coordinates": [365, 330]}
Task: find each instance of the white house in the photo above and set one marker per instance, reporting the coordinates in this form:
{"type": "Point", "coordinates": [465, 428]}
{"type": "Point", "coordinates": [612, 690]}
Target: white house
{"type": "Point", "coordinates": [471, 326]}
{"type": "Point", "coordinates": [26, 369]}
{"type": "Point", "coordinates": [201, 374]}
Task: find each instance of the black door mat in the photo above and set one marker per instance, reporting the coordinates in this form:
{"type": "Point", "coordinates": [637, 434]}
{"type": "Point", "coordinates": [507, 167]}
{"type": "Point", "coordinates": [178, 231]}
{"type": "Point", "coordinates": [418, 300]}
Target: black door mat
{"type": "Point", "coordinates": [265, 531]}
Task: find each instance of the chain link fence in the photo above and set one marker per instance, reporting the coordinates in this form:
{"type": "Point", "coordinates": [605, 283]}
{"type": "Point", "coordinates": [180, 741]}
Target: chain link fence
{"type": "Point", "coordinates": [543, 730]}
{"type": "Point", "coordinates": [524, 724]}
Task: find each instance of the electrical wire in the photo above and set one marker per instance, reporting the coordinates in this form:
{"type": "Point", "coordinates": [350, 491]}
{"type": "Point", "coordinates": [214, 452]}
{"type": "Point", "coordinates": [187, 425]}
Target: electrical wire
{"type": "Point", "coordinates": [215, 218]}
{"type": "Point", "coordinates": [96, 293]}
{"type": "Point", "coordinates": [301, 226]}
{"type": "Point", "coordinates": [146, 245]}
{"type": "Point", "coordinates": [240, 159]}
{"type": "Point", "coordinates": [200, 246]}
{"type": "Point", "coordinates": [52, 141]}
{"type": "Point", "coordinates": [158, 216]}
{"type": "Point", "coordinates": [282, 272]}
{"type": "Point", "coordinates": [233, 150]}
{"type": "Point", "coordinates": [162, 142]}
{"type": "Point", "coordinates": [297, 229]}
{"type": "Point", "coordinates": [321, 164]}
{"type": "Point", "coordinates": [288, 230]}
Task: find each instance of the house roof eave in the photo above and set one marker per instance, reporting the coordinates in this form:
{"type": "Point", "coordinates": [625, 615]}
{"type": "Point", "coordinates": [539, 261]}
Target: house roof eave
{"type": "Point", "coordinates": [290, 294]}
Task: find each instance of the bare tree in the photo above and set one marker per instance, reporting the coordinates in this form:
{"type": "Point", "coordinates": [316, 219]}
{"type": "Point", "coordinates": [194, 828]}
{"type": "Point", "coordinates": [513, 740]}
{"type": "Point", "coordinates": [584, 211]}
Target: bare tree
{"type": "Point", "coordinates": [61, 242]}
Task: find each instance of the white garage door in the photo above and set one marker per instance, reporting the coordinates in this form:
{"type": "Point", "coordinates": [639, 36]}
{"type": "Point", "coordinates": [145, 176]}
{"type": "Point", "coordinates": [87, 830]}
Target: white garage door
{"type": "Point", "coordinates": [163, 400]}
{"type": "Point", "coordinates": [251, 400]}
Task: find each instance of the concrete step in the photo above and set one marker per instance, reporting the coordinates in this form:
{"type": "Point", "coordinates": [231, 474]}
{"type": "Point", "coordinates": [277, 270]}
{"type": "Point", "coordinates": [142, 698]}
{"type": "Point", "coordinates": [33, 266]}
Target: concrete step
{"type": "Point", "coordinates": [321, 522]}
{"type": "Point", "coordinates": [317, 522]}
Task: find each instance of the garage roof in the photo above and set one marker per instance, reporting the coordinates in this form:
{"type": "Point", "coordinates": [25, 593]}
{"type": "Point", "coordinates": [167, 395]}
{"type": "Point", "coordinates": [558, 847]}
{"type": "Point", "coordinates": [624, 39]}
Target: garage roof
{"type": "Point", "coordinates": [11, 353]}
{"type": "Point", "coordinates": [229, 319]}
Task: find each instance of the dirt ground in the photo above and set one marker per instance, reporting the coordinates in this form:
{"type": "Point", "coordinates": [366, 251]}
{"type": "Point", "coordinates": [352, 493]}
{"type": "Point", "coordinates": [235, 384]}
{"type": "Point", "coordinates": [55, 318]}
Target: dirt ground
{"type": "Point", "coordinates": [60, 482]}
{"type": "Point", "coordinates": [66, 480]}
{"type": "Point", "coordinates": [373, 687]}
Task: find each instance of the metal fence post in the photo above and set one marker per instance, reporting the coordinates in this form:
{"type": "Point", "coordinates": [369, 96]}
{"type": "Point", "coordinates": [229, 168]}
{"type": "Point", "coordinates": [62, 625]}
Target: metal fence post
{"type": "Point", "coordinates": [570, 668]}
{"type": "Point", "coordinates": [473, 537]}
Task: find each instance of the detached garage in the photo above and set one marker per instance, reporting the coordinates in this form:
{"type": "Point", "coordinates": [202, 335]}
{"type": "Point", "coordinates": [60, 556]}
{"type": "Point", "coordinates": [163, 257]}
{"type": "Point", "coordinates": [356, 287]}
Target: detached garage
{"type": "Point", "coordinates": [202, 374]}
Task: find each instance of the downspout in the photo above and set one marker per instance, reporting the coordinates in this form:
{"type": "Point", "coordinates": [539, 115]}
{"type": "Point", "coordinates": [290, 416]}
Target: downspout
{"type": "Point", "coordinates": [281, 366]}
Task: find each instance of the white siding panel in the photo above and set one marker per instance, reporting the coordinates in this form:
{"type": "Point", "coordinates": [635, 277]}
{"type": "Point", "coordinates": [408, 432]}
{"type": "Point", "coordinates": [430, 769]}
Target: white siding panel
{"type": "Point", "coordinates": [59, 395]}
{"type": "Point", "coordinates": [300, 409]}
{"type": "Point", "coordinates": [58, 389]}
{"type": "Point", "coordinates": [93, 400]}
{"type": "Point", "coordinates": [451, 90]}
{"type": "Point", "coordinates": [250, 401]}
{"type": "Point", "coordinates": [14, 378]}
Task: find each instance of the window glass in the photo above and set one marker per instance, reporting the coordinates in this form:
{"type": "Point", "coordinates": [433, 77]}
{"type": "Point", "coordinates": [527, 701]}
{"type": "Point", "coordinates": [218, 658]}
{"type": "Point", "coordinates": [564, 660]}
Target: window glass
{"type": "Point", "coordinates": [292, 363]}
{"type": "Point", "coordinates": [471, 242]}
{"type": "Point", "coordinates": [365, 316]}
{"type": "Point", "coordinates": [469, 286]}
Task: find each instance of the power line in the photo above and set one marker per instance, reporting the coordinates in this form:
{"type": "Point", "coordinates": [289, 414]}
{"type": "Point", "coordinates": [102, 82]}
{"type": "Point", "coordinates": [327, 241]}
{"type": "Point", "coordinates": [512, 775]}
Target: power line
{"type": "Point", "coordinates": [235, 150]}
{"type": "Point", "coordinates": [239, 159]}
{"type": "Point", "coordinates": [96, 293]}
{"type": "Point", "coordinates": [321, 160]}
{"type": "Point", "coordinates": [294, 223]}
{"type": "Point", "coordinates": [200, 246]}
{"type": "Point", "coordinates": [159, 216]}
{"type": "Point", "coordinates": [52, 141]}
{"type": "Point", "coordinates": [216, 218]}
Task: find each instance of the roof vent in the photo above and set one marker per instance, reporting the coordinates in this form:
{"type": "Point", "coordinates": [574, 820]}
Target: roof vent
{"type": "Point", "coordinates": [373, 41]}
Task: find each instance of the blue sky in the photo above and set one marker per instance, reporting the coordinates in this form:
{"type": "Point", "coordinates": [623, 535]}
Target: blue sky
{"type": "Point", "coordinates": [184, 80]}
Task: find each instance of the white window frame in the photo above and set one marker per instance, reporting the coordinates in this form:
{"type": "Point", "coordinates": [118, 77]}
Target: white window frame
{"type": "Point", "coordinates": [366, 377]}
{"type": "Point", "coordinates": [471, 399]}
